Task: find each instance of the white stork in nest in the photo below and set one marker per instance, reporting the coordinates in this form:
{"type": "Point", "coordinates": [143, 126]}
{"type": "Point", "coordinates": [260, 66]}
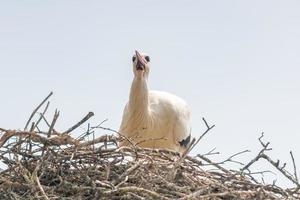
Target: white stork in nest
{"type": "Point", "coordinates": [154, 119]}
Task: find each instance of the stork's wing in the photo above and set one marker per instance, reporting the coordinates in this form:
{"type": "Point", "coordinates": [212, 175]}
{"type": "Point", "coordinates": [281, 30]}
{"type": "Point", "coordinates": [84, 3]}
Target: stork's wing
{"type": "Point", "coordinates": [185, 142]}
{"type": "Point", "coordinates": [182, 129]}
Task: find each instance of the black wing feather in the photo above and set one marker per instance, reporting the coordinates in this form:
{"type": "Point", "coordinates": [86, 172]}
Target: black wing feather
{"type": "Point", "coordinates": [185, 141]}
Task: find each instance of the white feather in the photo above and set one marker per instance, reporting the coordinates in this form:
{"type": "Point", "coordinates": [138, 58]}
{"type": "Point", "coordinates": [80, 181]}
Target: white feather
{"type": "Point", "coordinates": [154, 119]}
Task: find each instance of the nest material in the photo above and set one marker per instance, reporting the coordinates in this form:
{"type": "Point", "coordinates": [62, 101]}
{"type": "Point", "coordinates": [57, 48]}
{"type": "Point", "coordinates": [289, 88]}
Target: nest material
{"type": "Point", "coordinates": [52, 165]}
{"type": "Point", "coordinates": [39, 168]}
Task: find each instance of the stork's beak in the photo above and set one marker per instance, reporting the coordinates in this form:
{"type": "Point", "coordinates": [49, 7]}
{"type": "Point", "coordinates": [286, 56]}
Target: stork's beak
{"type": "Point", "coordinates": [140, 65]}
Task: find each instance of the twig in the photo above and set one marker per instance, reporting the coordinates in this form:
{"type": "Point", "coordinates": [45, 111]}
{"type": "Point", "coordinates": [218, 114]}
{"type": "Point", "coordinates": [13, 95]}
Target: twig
{"type": "Point", "coordinates": [118, 133]}
{"type": "Point", "coordinates": [138, 190]}
{"type": "Point", "coordinates": [294, 165]}
{"type": "Point", "coordinates": [56, 115]}
{"type": "Point", "coordinates": [213, 163]}
{"type": "Point", "coordinates": [87, 117]}
{"type": "Point", "coordinates": [103, 138]}
{"type": "Point", "coordinates": [36, 179]}
{"type": "Point", "coordinates": [36, 109]}
{"type": "Point", "coordinates": [42, 115]}
{"type": "Point", "coordinates": [265, 148]}
{"type": "Point", "coordinates": [276, 165]}
{"type": "Point", "coordinates": [57, 140]}
{"type": "Point", "coordinates": [195, 195]}
{"type": "Point", "coordinates": [234, 155]}
{"type": "Point", "coordinates": [89, 130]}
{"type": "Point", "coordinates": [207, 130]}
{"type": "Point", "coordinates": [211, 152]}
{"type": "Point", "coordinates": [127, 172]}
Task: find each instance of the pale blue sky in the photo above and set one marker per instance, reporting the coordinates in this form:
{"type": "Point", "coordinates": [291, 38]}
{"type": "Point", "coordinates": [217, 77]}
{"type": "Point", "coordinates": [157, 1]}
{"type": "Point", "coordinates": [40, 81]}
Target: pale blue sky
{"type": "Point", "coordinates": [235, 62]}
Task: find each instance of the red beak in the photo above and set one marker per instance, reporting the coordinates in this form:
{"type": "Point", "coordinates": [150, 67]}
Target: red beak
{"type": "Point", "coordinates": [140, 61]}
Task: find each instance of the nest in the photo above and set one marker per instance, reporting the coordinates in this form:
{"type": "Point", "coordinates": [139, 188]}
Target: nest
{"type": "Point", "coordinates": [56, 165]}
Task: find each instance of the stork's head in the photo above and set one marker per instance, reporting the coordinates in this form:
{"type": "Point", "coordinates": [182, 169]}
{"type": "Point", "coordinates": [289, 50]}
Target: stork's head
{"type": "Point", "coordinates": [140, 64]}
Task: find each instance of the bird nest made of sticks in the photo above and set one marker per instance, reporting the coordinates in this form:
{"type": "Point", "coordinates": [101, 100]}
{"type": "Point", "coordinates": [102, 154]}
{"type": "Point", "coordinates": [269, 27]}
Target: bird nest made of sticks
{"type": "Point", "coordinates": [56, 165]}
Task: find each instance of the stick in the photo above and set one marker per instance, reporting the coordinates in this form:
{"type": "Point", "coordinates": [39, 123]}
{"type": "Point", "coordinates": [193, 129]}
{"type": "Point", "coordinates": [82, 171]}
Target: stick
{"type": "Point", "coordinates": [56, 114]}
{"type": "Point", "coordinates": [207, 130]}
{"type": "Point", "coordinates": [36, 109]}
{"type": "Point", "coordinates": [42, 115]}
{"type": "Point", "coordinates": [294, 165]}
{"type": "Point", "coordinates": [88, 116]}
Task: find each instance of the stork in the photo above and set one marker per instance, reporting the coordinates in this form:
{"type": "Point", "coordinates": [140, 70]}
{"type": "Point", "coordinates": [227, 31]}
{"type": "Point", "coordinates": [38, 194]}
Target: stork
{"type": "Point", "coordinates": [154, 119]}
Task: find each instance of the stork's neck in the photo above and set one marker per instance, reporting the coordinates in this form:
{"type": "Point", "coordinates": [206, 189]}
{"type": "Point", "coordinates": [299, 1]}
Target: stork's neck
{"type": "Point", "coordinates": [138, 99]}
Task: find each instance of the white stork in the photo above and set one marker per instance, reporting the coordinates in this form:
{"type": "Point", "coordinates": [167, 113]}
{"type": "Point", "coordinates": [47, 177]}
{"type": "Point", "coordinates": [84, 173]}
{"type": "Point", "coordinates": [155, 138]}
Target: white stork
{"type": "Point", "coordinates": [154, 119]}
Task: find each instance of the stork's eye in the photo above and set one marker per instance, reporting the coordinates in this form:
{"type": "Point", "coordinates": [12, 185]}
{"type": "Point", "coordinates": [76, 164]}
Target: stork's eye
{"type": "Point", "coordinates": [133, 58]}
{"type": "Point", "coordinates": [147, 58]}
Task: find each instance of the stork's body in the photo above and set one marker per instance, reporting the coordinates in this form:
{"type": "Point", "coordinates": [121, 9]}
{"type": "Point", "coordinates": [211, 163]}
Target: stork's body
{"type": "Point", "coordinates": [154, 119]}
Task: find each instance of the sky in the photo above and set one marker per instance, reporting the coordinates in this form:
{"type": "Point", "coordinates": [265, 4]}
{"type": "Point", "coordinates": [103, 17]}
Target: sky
{"type": "Point", "coordinates": [236, 63]}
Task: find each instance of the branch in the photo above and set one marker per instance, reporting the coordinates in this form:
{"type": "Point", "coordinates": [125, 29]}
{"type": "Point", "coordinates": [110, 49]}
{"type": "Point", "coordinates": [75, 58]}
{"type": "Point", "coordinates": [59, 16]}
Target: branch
{"type": "Point", "coordinates": [36, 109]}
{"type": "Point", "coordinates": [281, 169]}
{"type": "Point", "coordinates": [203, 134]}
{"type": "Point", "coordinates": [265, 148]}
{"type": "Point", "coordinates": [294, 165]}
{"type": "Point", "coordinates": [56, 115]}
{"type": "Point", "coordinates": [87, 117]}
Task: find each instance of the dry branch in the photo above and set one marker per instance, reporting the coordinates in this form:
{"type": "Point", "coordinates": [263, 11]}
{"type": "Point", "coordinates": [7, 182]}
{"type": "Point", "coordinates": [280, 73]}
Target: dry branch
{"type": "Point", "coordinates": [57, 165]}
